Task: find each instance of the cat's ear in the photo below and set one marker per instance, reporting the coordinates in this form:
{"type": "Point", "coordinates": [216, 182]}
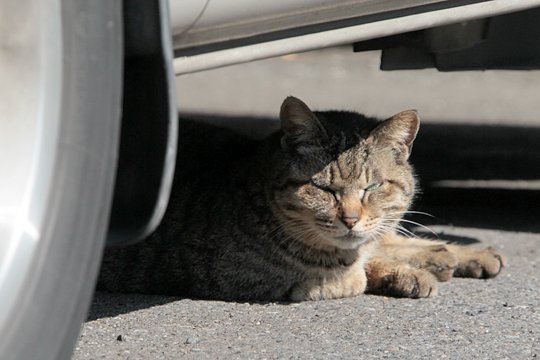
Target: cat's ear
{"type": "Point", "coordinates": [399, 131]}
{"type": "Point", "coordinates": [302, 131]}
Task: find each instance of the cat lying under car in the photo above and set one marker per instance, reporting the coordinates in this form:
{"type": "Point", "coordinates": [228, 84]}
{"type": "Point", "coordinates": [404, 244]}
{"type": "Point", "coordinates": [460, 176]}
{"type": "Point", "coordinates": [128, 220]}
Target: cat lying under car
{"type": "Point", "coordinates": [311, 212]}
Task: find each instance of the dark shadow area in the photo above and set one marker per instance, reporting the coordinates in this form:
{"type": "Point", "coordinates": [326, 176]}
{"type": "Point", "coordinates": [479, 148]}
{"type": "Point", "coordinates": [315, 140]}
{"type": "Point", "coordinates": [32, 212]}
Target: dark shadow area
{"type": "Point", "coordinates": [105, 304]}
{"type": "Point", "coordinates": [255, 127]}
{"type": "Point", "coordinates": [111, 304]}
{"type": "Point", "coordinates": [487, 152]}
{"type": "Point", "coordinates": [506, 160]}
{"type": "Point", "coordinates": [502, 209]}
{"type": "Point", "coordinates": [449, 238]}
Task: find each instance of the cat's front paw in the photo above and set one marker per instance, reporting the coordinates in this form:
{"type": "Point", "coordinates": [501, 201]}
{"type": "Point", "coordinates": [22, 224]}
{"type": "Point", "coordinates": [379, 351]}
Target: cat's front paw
{"type": "Point", "coordinates": [439, 261]}
{"type": "Point", "coordinates": [480, 264]}
{"type": "Point", "coordinates": [410, 283]}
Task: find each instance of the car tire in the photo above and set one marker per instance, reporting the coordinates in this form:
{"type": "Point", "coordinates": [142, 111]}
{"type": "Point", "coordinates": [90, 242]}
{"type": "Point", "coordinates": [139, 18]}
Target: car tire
{"type": "Point", "coordinates": [64, 59]}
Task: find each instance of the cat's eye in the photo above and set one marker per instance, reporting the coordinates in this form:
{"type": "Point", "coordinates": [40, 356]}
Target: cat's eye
{"type": "Point", "coordinates": [326, 189]}
{"type": "Point", "coordinates": [373, 186]}
{"type": "Point", "coordinates": [321, 187]}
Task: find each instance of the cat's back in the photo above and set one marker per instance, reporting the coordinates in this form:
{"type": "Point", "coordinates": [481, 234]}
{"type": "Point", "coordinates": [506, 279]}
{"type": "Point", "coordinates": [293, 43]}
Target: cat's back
{"type": "Point", "coordinates": [206, 147]}
{"type": "Point", "coordinates": [212, 171]}
{"type": "Point", "coordinates": [208, 201]}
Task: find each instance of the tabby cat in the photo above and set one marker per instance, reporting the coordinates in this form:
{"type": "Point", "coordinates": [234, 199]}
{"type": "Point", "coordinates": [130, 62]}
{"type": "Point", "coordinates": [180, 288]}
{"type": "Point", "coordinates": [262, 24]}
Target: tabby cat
{"type": "Point", "coordinates": [311, 212]}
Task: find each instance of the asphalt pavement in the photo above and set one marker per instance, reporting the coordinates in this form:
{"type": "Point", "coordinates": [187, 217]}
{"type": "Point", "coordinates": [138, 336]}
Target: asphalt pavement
{"type": "Point", "coordinates": [478, 157]}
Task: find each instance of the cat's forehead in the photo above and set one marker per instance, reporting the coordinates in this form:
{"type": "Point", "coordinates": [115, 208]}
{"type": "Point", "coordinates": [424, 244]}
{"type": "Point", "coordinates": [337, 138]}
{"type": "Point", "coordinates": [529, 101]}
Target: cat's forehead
{"type": "Point", "coordinates": [350, 165]}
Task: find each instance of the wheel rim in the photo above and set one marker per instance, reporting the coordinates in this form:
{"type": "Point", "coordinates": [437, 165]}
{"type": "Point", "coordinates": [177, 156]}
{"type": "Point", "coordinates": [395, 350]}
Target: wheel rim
{"type": "Point", "coordinates": [60, 97]}
{"type": "Point", "coordinates": [30, 69]}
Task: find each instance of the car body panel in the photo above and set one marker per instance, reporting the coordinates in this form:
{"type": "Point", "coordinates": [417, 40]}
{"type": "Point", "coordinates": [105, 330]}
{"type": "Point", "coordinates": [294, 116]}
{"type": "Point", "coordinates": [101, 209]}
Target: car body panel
{"type": "Point", "coordinates": [384, 23]}
{"type": "Point", "coordinates": [226, 20]}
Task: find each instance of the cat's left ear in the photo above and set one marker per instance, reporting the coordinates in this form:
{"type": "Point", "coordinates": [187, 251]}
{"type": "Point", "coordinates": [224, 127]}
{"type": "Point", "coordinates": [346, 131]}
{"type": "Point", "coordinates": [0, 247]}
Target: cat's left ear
{"type": "Point", "coordinates": [399, 131]}
{"type": "Point", "coordinates": [302, 130]}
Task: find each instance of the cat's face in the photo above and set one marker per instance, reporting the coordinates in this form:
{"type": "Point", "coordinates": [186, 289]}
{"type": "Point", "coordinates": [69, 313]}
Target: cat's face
{"type": "Point", "coordinates": [344, 178]}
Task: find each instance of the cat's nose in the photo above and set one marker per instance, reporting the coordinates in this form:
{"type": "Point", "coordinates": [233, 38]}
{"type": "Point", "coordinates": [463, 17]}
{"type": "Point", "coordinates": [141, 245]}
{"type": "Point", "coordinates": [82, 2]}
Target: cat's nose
{"type": "Point", "coordinates": [350, 221]}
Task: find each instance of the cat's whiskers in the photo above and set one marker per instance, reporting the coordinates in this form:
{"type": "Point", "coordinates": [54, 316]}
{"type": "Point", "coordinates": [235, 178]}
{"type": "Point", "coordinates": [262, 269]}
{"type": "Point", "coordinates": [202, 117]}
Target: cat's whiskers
{"type": "Point", "coordinates": [279, 232]}
{"type": "Point", "coordinates": [286, 229]}
{"type": "Point", "coordinates": [418, 213]}
{"type": "Point", "coordinates": [405, 212]}
{"type": "Point", "coordinates": [293, 229]}
{"type": "Point", "coordinates": [393, 231]}
{"type": "Point", "coordinates": [397, 227]}
{"type": "Point", "coordinates": [379, 231]}
{"type": "Point", "coordinates": [311, 234]}
{"type": "Point", "coordinates": [283, 238]}
{"type": "Point", "coordinates": [280, 226]}
{"type": "Point", "coordinates": [385, 227]}
{"type": "Point", "coordinates": [415, 223]}
{"type": "Point", "coordinates": [404, 231]}
{"type": "Point", "coordinates": [294, 250]}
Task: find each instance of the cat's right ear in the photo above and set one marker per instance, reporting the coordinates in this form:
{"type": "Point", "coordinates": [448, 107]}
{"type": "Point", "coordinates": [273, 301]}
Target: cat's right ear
{"type": "Point", "coordinates": [399, 132]}
{"type": "Point", "coordinates": [302, 131]}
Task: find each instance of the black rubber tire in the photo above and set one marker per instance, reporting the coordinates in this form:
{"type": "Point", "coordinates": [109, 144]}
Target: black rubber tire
{"type": "Point", "coordinates": [59, 286]}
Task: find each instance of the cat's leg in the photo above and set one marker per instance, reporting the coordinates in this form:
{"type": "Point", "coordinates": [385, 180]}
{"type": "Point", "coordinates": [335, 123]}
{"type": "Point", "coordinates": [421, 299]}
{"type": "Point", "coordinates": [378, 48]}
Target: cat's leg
{"type": "Point", "coordinates": [386, 276]}
{"type": "Point", "coordinates": [411, 267]}
{"type": "Point", "coordinates": [432, 256]}
{"type": "Point", "coordinates": [477, 263]}
{"type": "Point", "coordinates": [441, 259]}
{"type": "Point", "coordinates": [334, 284]}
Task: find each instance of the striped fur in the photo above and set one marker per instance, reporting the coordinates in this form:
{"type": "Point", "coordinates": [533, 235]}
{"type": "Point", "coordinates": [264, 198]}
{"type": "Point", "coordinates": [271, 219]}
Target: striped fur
{"type": "Point", "coordinates": [267, 220]}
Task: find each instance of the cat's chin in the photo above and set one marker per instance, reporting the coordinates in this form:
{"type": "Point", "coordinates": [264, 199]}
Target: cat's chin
{"type": "Point", "coordinates": [351, 240]}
